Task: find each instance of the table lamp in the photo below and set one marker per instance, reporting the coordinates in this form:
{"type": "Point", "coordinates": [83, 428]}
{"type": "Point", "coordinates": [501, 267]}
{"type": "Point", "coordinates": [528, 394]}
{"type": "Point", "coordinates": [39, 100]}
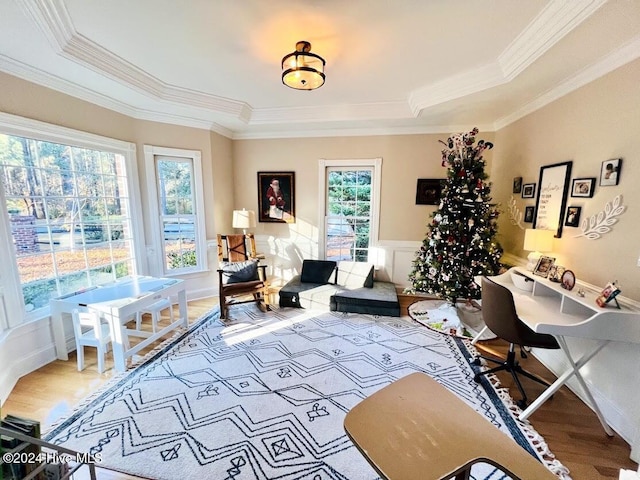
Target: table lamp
{"type": "Point", "coordinates": [244, 219]}
{"type": "Point", "coordinates": [537, 241]}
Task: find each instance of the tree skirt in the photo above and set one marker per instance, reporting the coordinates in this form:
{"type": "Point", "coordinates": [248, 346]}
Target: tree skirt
{"type": "Point", "coordinates": [264, 396]}
{"type": "Point", "coordinates": [464, 320]}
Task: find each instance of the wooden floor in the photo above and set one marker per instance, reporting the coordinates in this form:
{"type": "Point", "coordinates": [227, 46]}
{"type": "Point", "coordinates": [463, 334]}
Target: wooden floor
{"type": "Point", "coordinates": [569, 427]}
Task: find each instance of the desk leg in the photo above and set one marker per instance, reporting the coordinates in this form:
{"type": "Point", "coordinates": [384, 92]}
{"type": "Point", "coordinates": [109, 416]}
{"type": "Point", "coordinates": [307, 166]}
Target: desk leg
{"type": "Point", "coordinates": [182, 303]}
{"type": "Point", "coordinates": [57, 326]}
{"type": "Point", "coordinates": [119, 342]}
{"type": "Point", "coordinates": [562, 379]}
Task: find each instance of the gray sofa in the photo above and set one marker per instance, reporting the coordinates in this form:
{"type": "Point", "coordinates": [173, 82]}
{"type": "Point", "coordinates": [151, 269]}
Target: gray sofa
{"type": "Point", "coordinates": [342, 287]}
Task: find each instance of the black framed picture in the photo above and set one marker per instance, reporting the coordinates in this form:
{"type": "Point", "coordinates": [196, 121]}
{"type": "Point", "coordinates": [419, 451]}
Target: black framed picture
{"type": "Point", "coordinates": [610, 172]}
{"type": "Point", "coordinates": [276, 197]}
{"type": "Point", "coordinates": [551, 201]}
{"type": "Point", "coordinates": [573, 216]}
{"type": "Point", "coordinates": [529, 190]}
{"type": "Point", "coordinates": [428, 191]}
{"type": "Point", "coordinates": [583, 187]}
{"type": "Point", "coordinates": [528, 214]}
{"type": "Point", "coordinates": [517, 184]}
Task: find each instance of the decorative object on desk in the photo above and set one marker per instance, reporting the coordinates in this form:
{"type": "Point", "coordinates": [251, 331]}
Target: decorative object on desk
{"type": "Point", "coordinates": [428, 191]}
{"type": "Point", "coordinates": [610, 292]}
{"type": "Point", "coordinates": [514, 213]}
{"type": "Point", "coordinates": [543, 266]}
{"type": "Point", "coordinates": [214, 371]}
{"type": "Point", "coordinates": [610, 172]}
{"type": "Point", "coordinates": [552, 197]}
{"type": "Point", "coordinates": [568, 280]}
{"type": "Point", "coordinates": [573, 216]}
{"type": "Point", "coordinates": [555, 273]}
{"type": "Point", "coordinates": [537, 242]}
{"type": "Point", "coordinates": [583, 187]}
{"type": "Point", "coordinates": [517, 184]}
{"type": "Point", "coordinates": [450, 256]}
{"type": "Point", "coordinates": [597, 225]}
{"type": "Point", "coordinates": [529, 190]}
{"type": "Point", "coordinates": [244, 219]}
{"type": "Point", "coordinates": [581, 292]}
{"type": "Point", "coordinates": [528, 214]}
{"type": "Point", "coordinates": [276, 197]}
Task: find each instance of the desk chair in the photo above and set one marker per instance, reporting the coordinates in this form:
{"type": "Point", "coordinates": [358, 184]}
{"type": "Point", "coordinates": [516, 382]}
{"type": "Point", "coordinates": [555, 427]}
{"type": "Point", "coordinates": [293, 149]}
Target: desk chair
{"type": "Point", "coordinates": [240, 275]}
{"type": "Point", "coordinates": [90, 332]}
{"type": "Point", "coordinates": [499, 314]}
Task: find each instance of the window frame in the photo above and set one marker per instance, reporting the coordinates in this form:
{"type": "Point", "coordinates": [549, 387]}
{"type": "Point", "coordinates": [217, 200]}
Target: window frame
{"type": "Point", "coordinates": [156, 249]}
{"type": "Point", "coordinates": [41, 131]}
{"type": "Point", "coordinates": [324, 167]}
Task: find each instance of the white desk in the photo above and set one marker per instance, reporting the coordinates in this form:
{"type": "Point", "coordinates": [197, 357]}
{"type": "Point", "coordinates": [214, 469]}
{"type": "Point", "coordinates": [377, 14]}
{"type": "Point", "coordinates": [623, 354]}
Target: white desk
{"type": "Point", "coordinates": [563, 313]}
{"type": "Point", "coordinates": [118, 302]}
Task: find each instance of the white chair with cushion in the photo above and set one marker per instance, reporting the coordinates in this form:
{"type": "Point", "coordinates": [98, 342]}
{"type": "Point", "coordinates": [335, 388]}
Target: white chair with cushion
{"type": "Point", "coordinates": [155, 310]}
{"type": "Point", "coordinates": [90, 332]}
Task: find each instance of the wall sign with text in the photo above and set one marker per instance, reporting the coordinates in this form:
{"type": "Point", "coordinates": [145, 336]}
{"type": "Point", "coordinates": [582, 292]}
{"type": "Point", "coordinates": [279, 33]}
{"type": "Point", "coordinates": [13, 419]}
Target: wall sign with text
{"type": "Point", "coordinates": [552, 197]}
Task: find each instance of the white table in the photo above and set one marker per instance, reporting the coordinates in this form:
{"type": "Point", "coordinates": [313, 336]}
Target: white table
{"type": "Point", "coordinates": [117, 303]}
{"type": "Point", "coordinates": [549, 308]}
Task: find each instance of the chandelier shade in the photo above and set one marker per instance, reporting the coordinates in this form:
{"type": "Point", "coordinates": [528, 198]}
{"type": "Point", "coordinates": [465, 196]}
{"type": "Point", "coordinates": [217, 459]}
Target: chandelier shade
{"type": "Point", "coordinates": [302, 69]}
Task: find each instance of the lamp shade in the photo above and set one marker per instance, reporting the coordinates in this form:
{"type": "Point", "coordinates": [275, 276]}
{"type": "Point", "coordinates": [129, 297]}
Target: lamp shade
{"type": "Point", "coordinates": [244, 219]}
{"type": "Point", "coordinates": [302, 69]}
{"type": "Point", "coordinates": [538, 240]}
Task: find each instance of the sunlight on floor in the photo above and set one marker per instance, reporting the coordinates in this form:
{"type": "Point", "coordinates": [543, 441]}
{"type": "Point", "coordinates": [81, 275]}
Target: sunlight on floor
{"type": "Point", "coordinates": [243, 332]}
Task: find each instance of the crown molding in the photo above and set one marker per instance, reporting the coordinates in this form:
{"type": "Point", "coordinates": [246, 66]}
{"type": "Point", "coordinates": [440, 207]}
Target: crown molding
{"type": "Point", "coordinates": [554, 21]}
{"type": "Point", "coordinates": [622, 56]}
{"type": "Point", "coordinates": [354, 112]}
{"type": "Point", "coordinates": [52, 18]}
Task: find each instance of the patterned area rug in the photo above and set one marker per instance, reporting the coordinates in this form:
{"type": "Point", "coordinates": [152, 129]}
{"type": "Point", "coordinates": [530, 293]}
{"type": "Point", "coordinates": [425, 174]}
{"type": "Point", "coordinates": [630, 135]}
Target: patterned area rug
{"type": "Point", "coordinates": [264, 396]}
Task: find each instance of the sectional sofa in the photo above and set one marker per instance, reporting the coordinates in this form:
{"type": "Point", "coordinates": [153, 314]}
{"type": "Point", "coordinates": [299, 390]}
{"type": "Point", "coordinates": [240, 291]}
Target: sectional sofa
{"type": "Point", "coordinates": [340, 286]}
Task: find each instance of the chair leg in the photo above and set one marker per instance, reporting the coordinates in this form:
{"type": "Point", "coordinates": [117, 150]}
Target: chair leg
{"type": "Point", "coordinates": [80, 355]}
{"type": "Point", "coordinates": [100, 353]}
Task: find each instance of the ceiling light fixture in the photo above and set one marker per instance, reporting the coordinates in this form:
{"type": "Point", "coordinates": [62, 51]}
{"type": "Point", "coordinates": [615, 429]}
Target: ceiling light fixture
{"type": "Point", "coordinates": [302, 69]}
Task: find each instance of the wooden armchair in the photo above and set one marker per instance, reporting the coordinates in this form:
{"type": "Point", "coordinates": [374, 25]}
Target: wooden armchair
{"type": "Point", "coordinates": [239, 275]}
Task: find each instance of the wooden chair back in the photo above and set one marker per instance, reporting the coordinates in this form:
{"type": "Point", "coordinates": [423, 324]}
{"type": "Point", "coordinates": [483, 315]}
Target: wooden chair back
{"type": "Point", "coordinates": [236, 248]}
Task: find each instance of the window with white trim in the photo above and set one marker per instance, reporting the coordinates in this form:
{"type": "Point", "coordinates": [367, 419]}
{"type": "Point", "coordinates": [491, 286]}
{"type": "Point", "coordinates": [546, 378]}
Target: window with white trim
{"type": "Point", "coordinates": [175, 188]}
{"type": "Point", "coordinates": [69, 216]}
{"type": "Point", "coordinates": [350, 208]}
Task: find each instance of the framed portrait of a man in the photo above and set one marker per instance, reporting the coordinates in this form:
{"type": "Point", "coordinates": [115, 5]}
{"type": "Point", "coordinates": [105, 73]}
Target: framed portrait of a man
{"type": "Point", "coordinates": [276, 197]}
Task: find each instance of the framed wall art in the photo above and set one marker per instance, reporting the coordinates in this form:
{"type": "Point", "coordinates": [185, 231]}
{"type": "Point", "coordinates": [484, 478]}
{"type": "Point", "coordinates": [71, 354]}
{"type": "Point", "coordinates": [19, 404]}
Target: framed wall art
{"type": "Point", "coordinates": [529, 190]}
{"type": "Point", "coordinates": [583, 187]}
{"type": "Point", "coordinates": [573, 216]}
{"type": "Point", "coordinates": [553, 189]}
{"type": "Point", "coordinates": [610, 172]}
{"type": "Point", "coordinates": [428, 191]}
{"type": "Point", "coordinates": [276, 197]}
{"type": "Point", "coordinates": [517, 184]}
{"type": "Point", "coordinates": [528, 214]}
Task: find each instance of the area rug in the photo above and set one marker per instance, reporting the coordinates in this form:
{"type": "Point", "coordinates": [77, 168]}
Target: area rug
{"type": "Point", "coordinates": [264, 396]}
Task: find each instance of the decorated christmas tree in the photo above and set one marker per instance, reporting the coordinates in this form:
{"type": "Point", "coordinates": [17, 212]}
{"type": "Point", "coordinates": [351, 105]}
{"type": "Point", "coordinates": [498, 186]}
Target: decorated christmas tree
{"type": "Point", "coordinates": [460, 242]}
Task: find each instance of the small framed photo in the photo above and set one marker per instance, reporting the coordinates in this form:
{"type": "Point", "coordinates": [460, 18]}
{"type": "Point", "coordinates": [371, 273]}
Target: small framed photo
{"type": "Point", "coordinates": [583, 187]}
{"type": "Point", "coordinates": [517, 184]}
{"type": "Point", "coordinates": [428, 191]}
{"type": "Point", "coordinates": [568, 280]}
{"type": "Point", "coordinates": [610, 172]}
{"type": "Point", "coordinates": [555, 273]}
{"type": "Point", "coordinates": [528, 190]}
{"type": "Point", "coordinates": [573, 216]}
{"type": "Point", "coordinates": [528, 214]}
{"type": "Point", "coordinates": [543, 266]}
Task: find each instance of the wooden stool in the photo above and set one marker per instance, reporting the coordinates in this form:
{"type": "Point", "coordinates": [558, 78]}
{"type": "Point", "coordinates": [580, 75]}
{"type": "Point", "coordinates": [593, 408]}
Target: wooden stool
{"type": "Point", "coordinates": [416, 429]}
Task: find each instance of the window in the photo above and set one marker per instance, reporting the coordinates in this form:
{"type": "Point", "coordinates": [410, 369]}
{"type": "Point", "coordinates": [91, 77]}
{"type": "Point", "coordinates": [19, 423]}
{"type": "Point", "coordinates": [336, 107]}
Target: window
{"type": "Point", "coordinates": [350, 208]}
{"type": "Point", "coordinates": [67, 196]}
{"type": "Point", "coordinates": [174, 178]}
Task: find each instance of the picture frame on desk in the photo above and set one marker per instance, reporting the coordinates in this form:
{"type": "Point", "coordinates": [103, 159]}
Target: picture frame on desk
{"type": "Point", "coordinates": [543, 267]}
{"type": "Point", "coordinates": [568, 280]}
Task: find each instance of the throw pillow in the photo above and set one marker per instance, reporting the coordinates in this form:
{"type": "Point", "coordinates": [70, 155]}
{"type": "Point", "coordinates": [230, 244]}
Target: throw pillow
{"type": "Point", "coordinates": [238, 272]}
{"type": "Point", "coordinates": [317, 271]}
{"type": "Point", "coordinates": [355, 274]}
